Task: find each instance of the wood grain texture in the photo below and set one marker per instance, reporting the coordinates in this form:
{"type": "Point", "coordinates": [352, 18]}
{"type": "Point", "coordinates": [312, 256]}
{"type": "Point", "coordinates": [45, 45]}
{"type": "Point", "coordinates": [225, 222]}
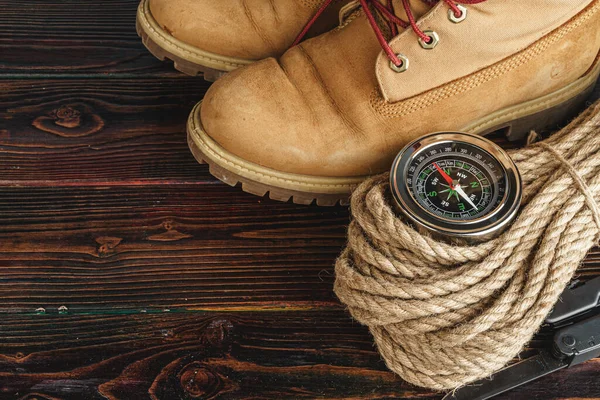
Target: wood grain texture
{"type": "Point", "coordinates": [268, 354]}
{"type": "Point", "coordinates": [119, 131]}
{"type": "Point", "coordinates": [280, 354]}
{"type": "Point", "coordinates": [164, 246]}
{"type": "Point", "coordinates": [128, 272]}
{"type": "Point", "coordinates": [72, 38]}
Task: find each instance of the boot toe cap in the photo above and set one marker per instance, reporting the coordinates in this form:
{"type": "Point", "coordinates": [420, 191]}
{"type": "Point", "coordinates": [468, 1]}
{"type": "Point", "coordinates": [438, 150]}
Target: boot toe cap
{"type": "Point", "coordinates": [250, 114]}
{"type": "Point", "coordinates": [257, 114]}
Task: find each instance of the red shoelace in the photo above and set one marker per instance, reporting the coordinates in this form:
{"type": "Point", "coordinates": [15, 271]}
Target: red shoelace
{"type": "Point", "coordinates": [388, 13]}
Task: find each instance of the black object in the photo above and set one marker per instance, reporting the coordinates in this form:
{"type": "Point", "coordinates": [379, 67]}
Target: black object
{"type": "Point", "coordinates": [575, 321]}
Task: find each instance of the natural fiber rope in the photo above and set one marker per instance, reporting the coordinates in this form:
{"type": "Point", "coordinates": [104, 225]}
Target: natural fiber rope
{"type": "Point", "coordinates": [445, 315]}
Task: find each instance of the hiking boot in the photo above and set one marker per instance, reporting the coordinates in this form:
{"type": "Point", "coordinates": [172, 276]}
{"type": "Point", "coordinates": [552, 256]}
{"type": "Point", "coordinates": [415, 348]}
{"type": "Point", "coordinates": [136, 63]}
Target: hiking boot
{"type": "Point", "coordinates": [214, 37]}
{"type": "Point", "coordinates": [337, 108]}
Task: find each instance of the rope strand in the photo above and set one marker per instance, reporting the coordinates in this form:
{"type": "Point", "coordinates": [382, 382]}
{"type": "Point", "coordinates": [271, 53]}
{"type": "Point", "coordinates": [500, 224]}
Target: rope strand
{"type": "Point", "coordinates": [445, 315]}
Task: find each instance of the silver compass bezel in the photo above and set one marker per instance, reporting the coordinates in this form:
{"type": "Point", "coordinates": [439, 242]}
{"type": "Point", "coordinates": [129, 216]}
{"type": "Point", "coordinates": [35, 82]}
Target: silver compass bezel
{"type": "Point", "coordinates": [482, 228]}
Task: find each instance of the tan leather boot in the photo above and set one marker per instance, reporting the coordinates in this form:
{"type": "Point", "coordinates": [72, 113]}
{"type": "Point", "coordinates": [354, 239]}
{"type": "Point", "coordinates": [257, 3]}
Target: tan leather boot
{"type": "Point", "coordinates": [337, 109]}
{"type": "Point", "coordinates": [216, 36]}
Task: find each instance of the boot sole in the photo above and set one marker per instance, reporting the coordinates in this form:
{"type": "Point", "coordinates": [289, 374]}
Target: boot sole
{"type": "Point", "coordinates": [515, 121]}
{"type": "Point", "coordinates": [186, 58]}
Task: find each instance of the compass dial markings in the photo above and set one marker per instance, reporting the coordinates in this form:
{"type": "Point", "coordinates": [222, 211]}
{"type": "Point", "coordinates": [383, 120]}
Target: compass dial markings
{"type": "Point", "coordinates": [456, 185]}
{"type": "Point", "coordinates": [456, 182]}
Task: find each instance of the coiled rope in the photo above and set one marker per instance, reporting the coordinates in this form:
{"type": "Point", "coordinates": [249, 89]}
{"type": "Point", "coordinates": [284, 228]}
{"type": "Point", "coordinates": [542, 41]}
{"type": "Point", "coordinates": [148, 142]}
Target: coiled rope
{"type": "Point", "coordinates": [444, 315]}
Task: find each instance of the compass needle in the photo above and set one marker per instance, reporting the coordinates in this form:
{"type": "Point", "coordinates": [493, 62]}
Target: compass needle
{"type": "Point", "coordinates": [462, 193]}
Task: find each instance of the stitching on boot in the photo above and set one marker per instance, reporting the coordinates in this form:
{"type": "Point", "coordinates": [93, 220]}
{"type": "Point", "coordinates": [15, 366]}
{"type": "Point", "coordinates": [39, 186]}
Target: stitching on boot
{"type": "Point", "coordinates": [537, 105]}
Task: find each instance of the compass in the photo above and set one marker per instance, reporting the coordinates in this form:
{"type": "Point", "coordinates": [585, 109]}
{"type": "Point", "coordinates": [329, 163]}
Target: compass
{"type": "Point", "coordinates": [456, 185]}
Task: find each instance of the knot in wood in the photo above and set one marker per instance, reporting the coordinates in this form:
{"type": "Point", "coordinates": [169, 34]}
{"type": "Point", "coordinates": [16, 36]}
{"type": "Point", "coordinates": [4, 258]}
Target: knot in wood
{"type": "Point", "coordinates": [199, 381]}
{"type": "Point", "coordinates": [66, 116]}
{"type": "Point", "coordinates": [218, 333]}
{"type": "Point", "coordinates": [70, 121]}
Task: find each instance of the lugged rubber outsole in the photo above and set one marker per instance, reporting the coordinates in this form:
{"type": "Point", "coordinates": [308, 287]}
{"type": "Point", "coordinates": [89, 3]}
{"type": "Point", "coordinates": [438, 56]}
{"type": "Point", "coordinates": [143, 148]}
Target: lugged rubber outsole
{"type": "Point", "coordinates": [186, 58]}
{"type": "Point", "coordinates": [515, 121]}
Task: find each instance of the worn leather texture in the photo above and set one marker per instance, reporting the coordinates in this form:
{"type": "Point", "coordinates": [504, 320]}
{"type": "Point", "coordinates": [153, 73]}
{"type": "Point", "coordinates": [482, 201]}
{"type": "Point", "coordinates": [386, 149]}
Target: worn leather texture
{"type": "Point", "coordinates": [319, 109]}
{"type": "Point", "coordinates": [247, 29]}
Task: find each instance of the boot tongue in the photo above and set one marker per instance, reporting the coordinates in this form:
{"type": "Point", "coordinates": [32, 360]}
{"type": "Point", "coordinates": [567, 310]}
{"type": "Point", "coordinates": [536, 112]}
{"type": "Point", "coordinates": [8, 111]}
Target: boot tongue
{"type": "Point", "coordinates": [418, 8]}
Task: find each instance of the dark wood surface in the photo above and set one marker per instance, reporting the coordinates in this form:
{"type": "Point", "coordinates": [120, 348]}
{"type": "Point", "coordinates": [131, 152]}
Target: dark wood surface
{"type": "Point", "coordinates": [128, 272]}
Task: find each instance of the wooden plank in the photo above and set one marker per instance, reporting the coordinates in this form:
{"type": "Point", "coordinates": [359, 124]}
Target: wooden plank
{"type": "Point", "coordinates": [162, 247]}
{"type": "Point", "coordinates": [283, 354]}
{"type": "Point", "coordinates": [118, 131]}
{"type": "Point", "coordinates": [154, 247]}
{"type": "Point", "coordinates": [269, 354]}
{"type": "Point", "coordinates": [74, 38]}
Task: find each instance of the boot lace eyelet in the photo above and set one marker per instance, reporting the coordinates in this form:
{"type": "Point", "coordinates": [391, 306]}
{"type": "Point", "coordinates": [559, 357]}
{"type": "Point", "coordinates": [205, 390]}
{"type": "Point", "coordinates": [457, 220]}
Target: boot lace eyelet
{"type": "Point", "coordinates": [434, 40]}
{"type": "Point", "coordinates": [402, 67]}
{"type": "Point", "coordinates": [460, 18]}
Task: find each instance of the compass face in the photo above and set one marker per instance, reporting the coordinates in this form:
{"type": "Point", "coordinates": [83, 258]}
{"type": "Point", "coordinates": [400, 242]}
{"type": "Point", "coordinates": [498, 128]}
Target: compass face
{"type": "Point", "coordinates": [457, 185]}
{"type": "Point", "coordinates": [456, 181]}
